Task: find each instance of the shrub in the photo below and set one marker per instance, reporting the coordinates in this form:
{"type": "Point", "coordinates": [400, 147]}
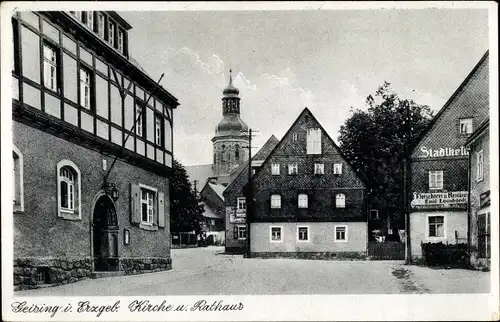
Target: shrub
{"type": "Point", "coordinates": [439, 254]}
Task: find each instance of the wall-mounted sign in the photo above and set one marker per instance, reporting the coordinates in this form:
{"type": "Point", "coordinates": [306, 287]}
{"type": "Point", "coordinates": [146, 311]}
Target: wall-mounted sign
{"type": "Point", "coordinates": [234, 216]}
{"type": "Point", "coordinates": [484, 199]}
{"type": "Point", "coordinates": [452, 199]}
{"type": "Point", "coordinates": [443, 152]}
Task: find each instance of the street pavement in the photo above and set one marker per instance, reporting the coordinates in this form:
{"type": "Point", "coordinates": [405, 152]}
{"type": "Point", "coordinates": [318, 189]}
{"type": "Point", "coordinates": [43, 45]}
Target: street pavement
{"type": "Point", "coordinates": [207, 271]}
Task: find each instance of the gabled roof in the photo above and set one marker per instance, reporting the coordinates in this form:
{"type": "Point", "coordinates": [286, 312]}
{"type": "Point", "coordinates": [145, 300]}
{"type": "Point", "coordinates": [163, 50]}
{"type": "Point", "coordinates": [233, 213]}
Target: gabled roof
{"type": "Point", "coordinates": [209, 213]}
{"type": "Point", "coordinates": [448, 102]}
{"type": "Point", "coordinates": [477, 133]}
{"type": "Point", "coordinates": [359, 173]}
{"type": "Point", "coordinates": [200, 173]}
{"type": "Point", "coordinates": [261, 155]}
{"type": "Point", "coordinates": [218, 189]}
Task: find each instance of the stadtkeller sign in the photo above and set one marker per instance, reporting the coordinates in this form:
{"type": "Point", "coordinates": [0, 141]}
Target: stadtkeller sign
{"type": "Point", "coordinates": [426, 152]}
{"type": "Point", "coordinates": [452, 199]}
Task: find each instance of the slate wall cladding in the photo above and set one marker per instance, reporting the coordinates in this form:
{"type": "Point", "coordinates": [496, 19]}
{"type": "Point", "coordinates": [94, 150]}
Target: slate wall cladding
{"type": "Point", "coordinates": [321, 189]}
{"type": "Point", "coordinates": [40, 233]}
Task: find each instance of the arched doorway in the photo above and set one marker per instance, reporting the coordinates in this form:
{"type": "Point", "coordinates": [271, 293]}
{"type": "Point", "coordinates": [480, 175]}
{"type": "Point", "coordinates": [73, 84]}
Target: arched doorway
{"type": "Point", "coordinates": [105, 235]}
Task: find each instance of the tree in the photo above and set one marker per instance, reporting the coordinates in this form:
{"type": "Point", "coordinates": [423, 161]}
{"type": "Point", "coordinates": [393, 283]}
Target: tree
{"type": "Point", "coordinates": [186, 209]}
{"type": "Point", "coordinates": [373, 141]}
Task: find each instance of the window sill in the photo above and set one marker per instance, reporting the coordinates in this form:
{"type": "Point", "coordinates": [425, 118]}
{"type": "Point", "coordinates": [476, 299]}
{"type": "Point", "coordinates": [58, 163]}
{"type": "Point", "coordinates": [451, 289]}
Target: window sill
{"type": "Point", "coordinates": [340, 241]}
{"type": "Point", "coordinates": [147, 226]}
{"type": "Point", "coordinates": [19, 211]}
{"type": "Point", "coordinates": [303, 241]}
{"type": "Point", "coordinates": [276, 241]}
{"type": "Point", "coordinates": [69, 216]}
{"type": "Point", "coordinates": [242, 239]}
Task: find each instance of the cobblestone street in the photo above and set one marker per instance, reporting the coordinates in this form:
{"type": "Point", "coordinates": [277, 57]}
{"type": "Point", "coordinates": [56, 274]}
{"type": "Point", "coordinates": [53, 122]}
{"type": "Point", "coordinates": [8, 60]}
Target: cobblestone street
{"type": "Point", "coordinates": [206, 271]}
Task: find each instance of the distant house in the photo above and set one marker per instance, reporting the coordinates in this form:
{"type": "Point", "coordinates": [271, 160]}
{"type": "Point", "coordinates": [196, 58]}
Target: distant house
{"type": "Point", "coordinates": [479, 205]}
{"type": "Point", "coordinates": [439, 165]}
{"type": "Point", "coordinates": [308, 200]}
{"type": "Point", "coordinates": [235, 200]}
{"type": "Point", "coordinates": [213, 223]}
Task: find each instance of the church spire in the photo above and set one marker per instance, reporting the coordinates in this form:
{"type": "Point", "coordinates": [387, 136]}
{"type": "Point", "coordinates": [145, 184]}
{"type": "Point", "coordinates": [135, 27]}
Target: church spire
{"type": "Point", "coordinates": [230, 76]}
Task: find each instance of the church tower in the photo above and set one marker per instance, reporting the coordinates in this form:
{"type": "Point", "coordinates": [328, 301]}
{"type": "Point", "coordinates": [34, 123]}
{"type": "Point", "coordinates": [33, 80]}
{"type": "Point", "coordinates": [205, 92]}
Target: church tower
{"type": "Point", "coordinates": [230, 143]}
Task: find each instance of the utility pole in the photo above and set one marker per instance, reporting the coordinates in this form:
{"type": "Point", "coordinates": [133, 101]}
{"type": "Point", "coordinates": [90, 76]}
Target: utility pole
{"type": "Point", "coordinates": [406, 155]}
{"type": "Point", "coordinates": [249, 192]}
{"type": "Point", "coordinates": [195, 192]}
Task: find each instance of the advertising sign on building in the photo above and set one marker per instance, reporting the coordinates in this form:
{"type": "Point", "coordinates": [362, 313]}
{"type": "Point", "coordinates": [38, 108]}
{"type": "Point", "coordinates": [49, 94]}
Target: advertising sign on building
{"type": "Point", "coordinates": [452, 199]}
{"type": "Point", "coordinates": [440, 152]}
{"type": "Point", "coordinates": [234, 216]}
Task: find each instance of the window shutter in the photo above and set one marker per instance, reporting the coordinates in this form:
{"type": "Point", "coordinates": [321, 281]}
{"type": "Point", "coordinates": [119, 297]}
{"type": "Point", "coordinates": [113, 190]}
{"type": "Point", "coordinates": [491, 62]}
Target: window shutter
{"type": "Point", "coordinates": [161, 209]}
{"type": "Point", "coordinates": [135, 203]}
{"type": "Point", "coordinates": [235, 232]}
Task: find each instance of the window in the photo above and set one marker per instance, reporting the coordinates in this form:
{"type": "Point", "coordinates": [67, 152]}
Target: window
{"type": "Point", "coordinates": [314, 141]}
{"type": "Point", "coordinates": [17, 180]}
{"type": "Point", "coordinates": [293, 168]}
{"type": "Point", "coordinates": [50, 67]}
{"type": "Point", "coordinates": [111, 34]}
{"type": "Point", "coordinates": [466, 126]}
{"type": "Point", "coordinates": [237, 152]}
{"type": "Point", "coordinates": [212, 222]}
{"type": "Point", "coordinates": [100, 25]}
{"type": "Point", "coordinates": [275, 169]}
{"type": "Point", "coordinates": [275, 201]}
{"type": "Point", "coordinates": [337, 168]}
{"type": "Point", "coordinates": [319, 168]}
{"type": "Point", "coordinates": [436, 179]}
{"type": "Point", "coordinates": [340, 200]}
{"type": "Point", "coordinates": [85, 88]}
{"type": "Point", "coordinates": [139, 126]}
{"type": "Point", "coordinates": [373, 214]}
{"type": "Point", "coordinates": [276, 234]}
{"type": "Point", "coordinates": [480, 165]}
{"type": "Point", "coordinates": [241, 204]}
{"type": "Point", "coordinates": [436, 226]}
{"type": "Point", "coordinates": [147, 206]}
{"type": "Point", "coordinates": [242, 232]}
{"type": "Point", "coordinates": [159, 129]}
{"type": "Point", "coordinates": [223, 154]}
{"type": "Point", "coordinates": [302, 233]}
{"type": "Point", "coordinates": [69, 192]}
{"type": "Point", "coordinates": [77, 14]}
{"type": "Point", "coordinates": [295, 137]}
{"type": "Point", "coordinates": [88, 19]}
{"type": "Point", "coordinates": [340, 233]}
{"type": "Point", "coordinates": [302, 201]}
{"type": "Point", "coordinates": [484, 237]}
{"type": "Point", "coordinates": [120, 41]}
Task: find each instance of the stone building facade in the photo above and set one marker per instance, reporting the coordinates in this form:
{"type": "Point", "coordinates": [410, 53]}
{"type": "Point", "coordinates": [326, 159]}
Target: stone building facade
{"type": "Point", "coordinates": [480, 194]}
{"type": "Point", "coordinates": [308, 201]}
{"type": "Point", "coordinates": [80, 103]}
{"type": "Point", "coordinates": [439, 165]}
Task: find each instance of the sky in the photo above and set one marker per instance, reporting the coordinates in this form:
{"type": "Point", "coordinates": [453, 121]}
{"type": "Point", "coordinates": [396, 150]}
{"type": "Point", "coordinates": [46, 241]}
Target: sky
{"type": "Point", "coordinates": [284, 61]}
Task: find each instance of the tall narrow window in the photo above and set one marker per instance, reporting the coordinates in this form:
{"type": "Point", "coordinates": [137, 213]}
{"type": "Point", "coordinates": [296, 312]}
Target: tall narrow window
{"type": "Point", "coordinates": [17, 179]}
{"type": "Point", "coordinates": [85, 88]}
{"type": "Point", "coordinates": [484, 237]}
{"type": "Point", "coordinates": [241, 205]}
{"type": "Point", "coordinates": [436, 226]}
{"type": "Point", "coordinates": [319, 168]}
{"type": "Point", "coordinates": [293, 168]}
{"type": "Point", "coordinates": [480, 165]}
{"type": "Point", "coordinates": [100, 25]}
{"type": "Point", "coordinates": [140, 120]}
{"type": "Point", "coordinates": [275, 201]}
{"type": "Point", "coordinates": [50, 67]}
{"type": "Point", "coordinates": [69, 192]}
{"type": "Point", "coordinates": [340, 200]}
{"type": "Point", "coordinates": [120, 41]}
{"type": "Point", "coordinates": [111, 34]}
{"type": "Point", "coordinates": [147, 206]}
{"type": "Point", "coordinates": [67, 188]}
{"type": "Point", "coordinates": [237, 152]}
{"type": "Point", "coordinates": [314, 141]}
{"type": "Point", "coordinates": [303, 201]}
{"type": "Point", "coordinates": [223, 153]}
{"type": "Point", "coordinates": [436, 180]}
{"type": "Point", "coordinates": [89, 19]}
{"type": "Point", "coordinates": [275, 169]}
{"type": "Point", "coordinates": [159, 124]}
{"type": "Point", "coordinates": [295, 137]}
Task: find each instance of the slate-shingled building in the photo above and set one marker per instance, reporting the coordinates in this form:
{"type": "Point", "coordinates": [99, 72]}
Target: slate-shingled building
{"type": "Point", "coordinates": [309, 202]}
{"type": "Point", "coordinates": [76, 97]}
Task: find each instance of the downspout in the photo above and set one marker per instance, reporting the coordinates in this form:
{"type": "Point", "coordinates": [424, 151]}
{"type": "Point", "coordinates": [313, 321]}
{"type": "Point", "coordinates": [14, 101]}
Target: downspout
{"type": "Point", "coordinates": [469, 177]}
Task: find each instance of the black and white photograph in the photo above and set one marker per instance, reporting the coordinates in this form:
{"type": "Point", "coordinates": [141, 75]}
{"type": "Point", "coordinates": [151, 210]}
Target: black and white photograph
{"type": "Point", "coordinates": [212, 160]}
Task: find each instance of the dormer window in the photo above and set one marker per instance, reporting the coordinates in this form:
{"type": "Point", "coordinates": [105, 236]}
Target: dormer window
{"type": "Point", "coordinates": [101, 25]}
{"type": "Point", "coordinates": [111, 34]}
{"type": "Point", "coordinates": [120, 41]}
{"type": "Point", "coordinates": [88, 19]}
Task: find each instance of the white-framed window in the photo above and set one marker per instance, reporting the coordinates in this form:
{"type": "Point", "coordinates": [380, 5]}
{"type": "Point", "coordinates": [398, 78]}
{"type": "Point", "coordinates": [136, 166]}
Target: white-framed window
{"type": "Point", "coordinates": [159, 125]}
{"type": "Point", "coordinates": [314, 141]}
{"type": "Point", "coordinates": [120, 41]}
{"type": "Point", "coordinates": [319, 168]}
{"type": "Point", "coordinates": [337, 168]}
{"type": "Point", "coordinates": [484, 233]}
{"type": "Point", "coordinates": [373, 214]}
{"type": "Point", "coordinates": [275, 169]}
{"type": "Point", "coordinates": [293, 168]}
{"type": "Point", "coordinates": [212, 222]}
{"type": "Point", "coordinates": [436, 226]}
{"type": "Point", "coordinates": [302, 233]}
{"type": "Point", "coordinates": [466, 126]}
{"type": "Point", "coordinates": [436, 179]}
{"type": "Point", "coordinates": [68, 190]}
{"type": "Point", "coordinates": [275, 201]}
{"type": "Point", "coordinates": [241, 204]}
{"type": "Point", "coordinates": [242, 232]}
{"type": "Point", "coordinates": [50, 67]}
{"type": "Point", "coordinates": [85, 88]}
{"type": "Point", "coordinates": [303, 200]}
{"type": "Point", "coordinates": [148, 202]}
{"type": "Point", "coordinates": [340, 233]}
{"type": "Point", "coordinates": [101, 25]}
{"type": "Point", "coordinates": [140, 120]}
{"type": "Point", "coordinates": [17, 179]}
{"type": "Point", "coordinates": [89, 19]}
{"type": "Point", "coordinates": [111, 33]}
{"type": "Point", "coordinates": [295, 137]}
{"type": "Point", "coordinates": [480, 165]}
{"type": "Point", "coordinates": [340, 200]}
{"type": "Point", "coordinates": [276, 234]}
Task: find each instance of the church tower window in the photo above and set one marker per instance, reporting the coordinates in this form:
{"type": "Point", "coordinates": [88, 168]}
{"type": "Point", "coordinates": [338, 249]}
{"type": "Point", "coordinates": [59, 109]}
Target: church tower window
{"type": "Point", "coordinates": [237, 153]}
